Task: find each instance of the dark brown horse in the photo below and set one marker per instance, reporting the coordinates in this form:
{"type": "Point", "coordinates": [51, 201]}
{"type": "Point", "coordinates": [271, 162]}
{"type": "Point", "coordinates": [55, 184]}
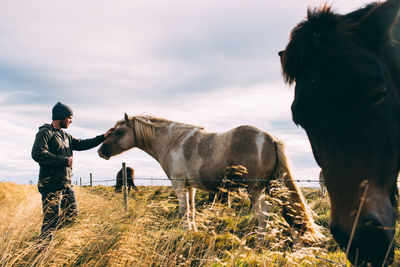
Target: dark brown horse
{"type": "Point", "coordinates": [346, 69]}
{"type": "Point", "coordinates": [130, 175]}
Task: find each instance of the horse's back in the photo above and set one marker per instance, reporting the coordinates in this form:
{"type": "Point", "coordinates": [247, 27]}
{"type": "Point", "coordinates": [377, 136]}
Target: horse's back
{"type": "Point", "coordinates": [250, 145]}
{"type": "Point", "coordinates": [243, 145]}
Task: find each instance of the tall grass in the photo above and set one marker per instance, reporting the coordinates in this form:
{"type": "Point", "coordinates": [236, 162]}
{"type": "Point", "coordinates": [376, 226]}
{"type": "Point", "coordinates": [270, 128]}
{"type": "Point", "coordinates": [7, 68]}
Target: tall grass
{"type": "Point", "coordinates": [150, 233]}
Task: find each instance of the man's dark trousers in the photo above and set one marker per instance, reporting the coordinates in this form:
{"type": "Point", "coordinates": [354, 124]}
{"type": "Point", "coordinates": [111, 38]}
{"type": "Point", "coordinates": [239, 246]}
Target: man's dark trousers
{"type": "Point", "coordinates": [59, 209]}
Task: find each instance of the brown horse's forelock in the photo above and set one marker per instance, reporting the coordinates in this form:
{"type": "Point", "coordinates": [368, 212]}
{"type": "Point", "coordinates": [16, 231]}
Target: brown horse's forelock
{"type": "Point", "coordinates": [319, 51]}
{"type": "Point", "coordinates": [300, 51]}
{"type": "Point", "coordinates": [320, 40]}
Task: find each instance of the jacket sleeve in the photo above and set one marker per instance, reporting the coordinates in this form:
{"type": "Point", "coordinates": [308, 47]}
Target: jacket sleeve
{"type": "Point", "coordinates": [40, 151]}
{"type": "Point", "coordinates": [85, 144]}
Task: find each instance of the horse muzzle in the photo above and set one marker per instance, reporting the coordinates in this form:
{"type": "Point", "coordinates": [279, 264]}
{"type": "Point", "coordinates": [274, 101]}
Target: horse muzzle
{"type": "Point", "coordinates": [102, 153]}
{"type": "Point", "coordinates": [371, 245]}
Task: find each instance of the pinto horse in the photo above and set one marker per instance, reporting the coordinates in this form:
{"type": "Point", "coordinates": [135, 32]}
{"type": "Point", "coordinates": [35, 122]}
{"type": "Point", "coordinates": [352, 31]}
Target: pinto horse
{"type": "Point", "coordinates": [193, 158]}
{"type": "Point", "coordinates": [346, 71]}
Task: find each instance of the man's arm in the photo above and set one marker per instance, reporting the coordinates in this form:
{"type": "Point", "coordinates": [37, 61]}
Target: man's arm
{"type": "Point", "coordinates": [85, 144]}
{"type": "Point", "coordinates": [41, 154]}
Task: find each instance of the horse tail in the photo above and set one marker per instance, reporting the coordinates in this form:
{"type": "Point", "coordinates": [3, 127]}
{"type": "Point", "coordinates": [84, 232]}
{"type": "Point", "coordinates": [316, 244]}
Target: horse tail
{"type": "Point", "coordinates": [294, 208]}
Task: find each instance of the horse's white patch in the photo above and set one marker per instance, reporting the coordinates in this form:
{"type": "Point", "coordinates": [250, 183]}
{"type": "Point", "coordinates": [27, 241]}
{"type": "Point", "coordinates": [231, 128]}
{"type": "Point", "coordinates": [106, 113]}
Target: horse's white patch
{"type": "Point", "coordinates": [194, 172]}
{"type": "Point", "coordinates": [259, 142]}
{"type": "Point", "coordinates": [179, 168]}
{"type": "Point", "coordinates": [169, 128]}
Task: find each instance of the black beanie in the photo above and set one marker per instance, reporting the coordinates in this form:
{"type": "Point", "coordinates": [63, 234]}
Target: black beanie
{"type": "Point", "coordinates": [61, 111]}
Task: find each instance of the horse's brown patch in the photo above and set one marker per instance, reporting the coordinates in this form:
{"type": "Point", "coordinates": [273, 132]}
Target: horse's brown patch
{"type": "Point", "coordinates": [190, 145]}
{"type": "Point", "coordinates": [243, 140]}
{"type": "Point", "coordinates": [268, 148]}
{"type": "Point", "coordinates": [206, 147]}
{"type": "Point", "coordinates": [210, 172]}
{"type": "Point", "coordinates": [243, 148]}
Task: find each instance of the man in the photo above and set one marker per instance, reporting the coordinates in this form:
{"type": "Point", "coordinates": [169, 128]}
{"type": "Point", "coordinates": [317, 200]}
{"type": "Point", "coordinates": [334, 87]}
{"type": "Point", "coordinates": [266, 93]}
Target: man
{"type": "Point", "coordinates": [52, 149]}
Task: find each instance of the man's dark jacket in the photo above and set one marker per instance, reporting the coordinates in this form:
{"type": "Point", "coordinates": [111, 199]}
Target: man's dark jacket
{"type": "Point", "coordinates": [51, 150]}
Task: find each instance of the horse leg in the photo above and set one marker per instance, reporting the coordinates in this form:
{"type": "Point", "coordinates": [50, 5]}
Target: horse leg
{"type": "Point", "coordinates": [183, 198]}
{"type": "Point", "coordinates": [228, 196]}
{"type": "Point", "coordinates": [184, 207]}
{"type": "Point", "coordinates": [260, 208]}
{"type": "Point", "coordinates": [192, 210]}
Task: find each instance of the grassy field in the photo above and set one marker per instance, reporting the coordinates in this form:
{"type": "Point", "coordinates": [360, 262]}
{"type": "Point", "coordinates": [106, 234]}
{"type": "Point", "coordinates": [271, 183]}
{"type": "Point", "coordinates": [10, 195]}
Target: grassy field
{"type": "Point", "coordinates": [150, 233]}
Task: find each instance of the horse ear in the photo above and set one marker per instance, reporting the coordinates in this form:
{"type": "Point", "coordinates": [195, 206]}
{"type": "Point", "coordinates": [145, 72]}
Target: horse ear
{"type": "Point", "coordinates": [376, 26]}
{"type": "Point", "coordinates": [126, 119]}
{"type": "Point", "coordinates": [282, 57]}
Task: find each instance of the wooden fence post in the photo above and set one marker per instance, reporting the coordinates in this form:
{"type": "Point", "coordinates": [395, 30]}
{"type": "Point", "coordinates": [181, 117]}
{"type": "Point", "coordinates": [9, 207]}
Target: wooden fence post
{"type": "Point", "coordinates": [91, 179]}
{"type": "Point", "coordinates": [125, 182]}
{"type": "Point", "coordinates": [80, 179]}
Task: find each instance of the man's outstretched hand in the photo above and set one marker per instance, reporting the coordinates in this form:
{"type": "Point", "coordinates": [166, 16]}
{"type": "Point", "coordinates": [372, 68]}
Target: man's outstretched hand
{"type": "Point", "coordinates": [109, 132]}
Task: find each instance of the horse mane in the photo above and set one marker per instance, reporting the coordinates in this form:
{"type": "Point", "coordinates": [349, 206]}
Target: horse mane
{"type": "Point", "coordinates": [144, 127]}
{"type": "Point", "coordinates": [301, 50]}
{"type": "Point", "coordinates": [322, 37]}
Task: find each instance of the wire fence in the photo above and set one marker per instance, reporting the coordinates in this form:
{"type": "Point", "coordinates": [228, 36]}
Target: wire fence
{"type": "Point", "coordinates": [155, 181]}
{"type": "Point", "coordinates": [139, 180]}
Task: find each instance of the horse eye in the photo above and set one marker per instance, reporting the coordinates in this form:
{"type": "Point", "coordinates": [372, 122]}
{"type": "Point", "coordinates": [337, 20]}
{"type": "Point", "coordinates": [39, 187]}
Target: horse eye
{"type": "Point", "coordinates": [119, 132]}
{"type": "Point", "coordinates": [379, 97]}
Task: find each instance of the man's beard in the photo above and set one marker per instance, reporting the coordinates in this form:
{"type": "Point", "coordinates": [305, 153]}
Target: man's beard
{"type": "Point", "coordinates": [63, 124]}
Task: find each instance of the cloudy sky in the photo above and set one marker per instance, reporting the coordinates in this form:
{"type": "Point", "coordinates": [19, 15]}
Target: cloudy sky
{"type": "Point", "coordinates": [208, 63]}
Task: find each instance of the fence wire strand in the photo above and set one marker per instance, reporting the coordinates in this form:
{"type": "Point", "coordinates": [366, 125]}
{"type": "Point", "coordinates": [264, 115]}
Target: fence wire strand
{"type": "Point", "coordinates": [151, 179]}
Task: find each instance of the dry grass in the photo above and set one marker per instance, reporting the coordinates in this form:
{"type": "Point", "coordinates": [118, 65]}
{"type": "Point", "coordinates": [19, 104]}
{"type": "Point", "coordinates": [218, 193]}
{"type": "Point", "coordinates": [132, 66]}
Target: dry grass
{"type": "Point", "coordinates": [150, 233]}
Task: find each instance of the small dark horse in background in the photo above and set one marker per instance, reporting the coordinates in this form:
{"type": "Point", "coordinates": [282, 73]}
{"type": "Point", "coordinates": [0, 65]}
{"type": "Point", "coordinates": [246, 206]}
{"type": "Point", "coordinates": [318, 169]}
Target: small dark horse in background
{"type": "Point", "coordinates": [130, 176]}
{"type": "Point", "coordinates": [347, 98]}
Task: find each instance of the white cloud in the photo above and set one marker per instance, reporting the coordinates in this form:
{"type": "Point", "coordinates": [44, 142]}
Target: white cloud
{"type": "Point", "coordinates": [207, 63]}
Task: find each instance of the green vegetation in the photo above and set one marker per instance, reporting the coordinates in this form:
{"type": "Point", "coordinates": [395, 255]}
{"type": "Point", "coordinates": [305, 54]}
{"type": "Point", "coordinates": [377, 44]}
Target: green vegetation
{"type": "Point", "coordinates": [150, 233]}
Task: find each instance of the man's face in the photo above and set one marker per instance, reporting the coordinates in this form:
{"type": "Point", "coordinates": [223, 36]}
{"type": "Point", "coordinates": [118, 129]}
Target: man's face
{"type": "Point", "coordinates": [66, 122]}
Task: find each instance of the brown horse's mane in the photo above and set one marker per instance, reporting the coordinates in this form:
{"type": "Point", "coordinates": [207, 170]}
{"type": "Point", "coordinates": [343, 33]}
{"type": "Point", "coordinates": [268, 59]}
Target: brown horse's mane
{"type": "Point", "coordinates": [319, 51]}
{"type": "Point", "coordinates": [320, 39]}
